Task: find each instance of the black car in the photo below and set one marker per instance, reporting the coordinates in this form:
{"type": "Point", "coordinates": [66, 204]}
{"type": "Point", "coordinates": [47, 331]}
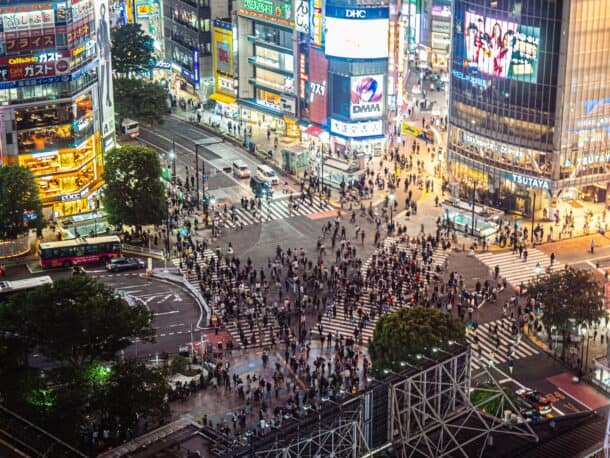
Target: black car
{"type": "Point", "coordinates": [119, 264]}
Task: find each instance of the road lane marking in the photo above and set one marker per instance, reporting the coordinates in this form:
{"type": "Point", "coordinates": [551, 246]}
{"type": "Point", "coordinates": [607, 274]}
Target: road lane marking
{"type": "Point", "coordinates": [166, 313]}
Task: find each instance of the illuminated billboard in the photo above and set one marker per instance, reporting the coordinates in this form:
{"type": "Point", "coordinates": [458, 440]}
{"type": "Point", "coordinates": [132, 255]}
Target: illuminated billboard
{"type": "Point", "coordinates": [501, 48]}
{"type": "Point", "coordinates": [357, 33]}
{"type": "Point", "coordinates": [222, 57]}
{"type": "Point", "coordinates": [279, 11]}
{"type": "Point", "coordinates": [366, 97]}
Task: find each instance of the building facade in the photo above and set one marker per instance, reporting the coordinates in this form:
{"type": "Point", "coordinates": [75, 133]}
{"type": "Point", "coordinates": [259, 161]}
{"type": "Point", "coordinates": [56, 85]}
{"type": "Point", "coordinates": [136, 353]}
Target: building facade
{"type": "Point", "coordinates": [188, 42]}
{"type": "Point", "coordinates": [56, 101]}
{"type": "Point", "coordinates": [529, 102]}
{"type": "Point", "coordinates": [267, 49]}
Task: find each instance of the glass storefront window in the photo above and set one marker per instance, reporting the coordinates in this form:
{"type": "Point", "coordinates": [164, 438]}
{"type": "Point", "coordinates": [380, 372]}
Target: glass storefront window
{"type": "Point", "coordinates": [54, 186]}
{"type": "Point", "coordinates": [269, 99]}
{"type": "Point", "coordinates": [273, 34]}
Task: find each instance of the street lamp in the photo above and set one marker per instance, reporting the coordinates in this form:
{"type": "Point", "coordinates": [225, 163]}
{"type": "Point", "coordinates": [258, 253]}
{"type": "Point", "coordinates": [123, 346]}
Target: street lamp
{"type": "Point", "coordinates": [391, 203]}
{"type": "Point", "coordinates": [197, 144]}
{"type": "Point", "coordinates": [172, 156]}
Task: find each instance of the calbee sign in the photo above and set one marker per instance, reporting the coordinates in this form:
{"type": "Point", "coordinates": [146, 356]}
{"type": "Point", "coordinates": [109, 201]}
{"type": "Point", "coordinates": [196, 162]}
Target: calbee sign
{"type": "Point", "coordinates": [367, 97]}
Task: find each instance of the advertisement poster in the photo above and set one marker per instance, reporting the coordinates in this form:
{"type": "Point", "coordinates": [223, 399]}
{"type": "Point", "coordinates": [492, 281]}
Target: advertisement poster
{"type": "Point", "coordinates": [366, 97]}
{"type": "Point", "coordinates": [222, 57]}
{"type": "Point", "coordinates": [501, 48]}
{"type": "Point", "coordinates": [29, 67]}
{"type": "Point", "coordinates": [279, 11]}
{"type": "Point", "coordinates": [318, 83]}
{"type": "Point", "coordinates": [104, 69]}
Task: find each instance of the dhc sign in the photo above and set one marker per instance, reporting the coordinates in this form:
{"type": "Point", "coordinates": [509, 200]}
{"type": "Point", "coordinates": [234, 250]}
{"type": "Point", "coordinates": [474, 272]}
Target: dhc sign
{"type": "Point", "coordinates": [355, 14]}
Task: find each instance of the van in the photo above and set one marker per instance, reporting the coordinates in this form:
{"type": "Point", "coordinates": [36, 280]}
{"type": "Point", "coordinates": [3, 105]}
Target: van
{"type": "Point", "coordinates": [264, 172]}
{"type": "Point", "coordinates": [261, 188]}
{"type": "Point", "coordinates": [241, 169]}
{"type": "Point", "coordinates": [130, 127]}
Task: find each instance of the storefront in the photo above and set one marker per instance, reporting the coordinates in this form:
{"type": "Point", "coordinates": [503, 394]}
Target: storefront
{"type": "Point", "coordinates": [347, 139]}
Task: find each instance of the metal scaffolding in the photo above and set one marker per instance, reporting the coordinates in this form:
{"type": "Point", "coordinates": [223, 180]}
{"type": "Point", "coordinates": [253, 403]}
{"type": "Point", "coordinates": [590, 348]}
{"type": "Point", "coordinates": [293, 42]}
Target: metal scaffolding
{"type": "Point", "coordinates": [426, 410]}
{"type": "Point", "coordinates": [432, 414]}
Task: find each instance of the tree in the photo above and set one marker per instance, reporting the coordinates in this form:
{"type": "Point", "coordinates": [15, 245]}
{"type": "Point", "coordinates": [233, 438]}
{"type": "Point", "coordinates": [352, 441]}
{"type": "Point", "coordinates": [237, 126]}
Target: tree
{"type": "Point", "coordinates": [132, 392]}
{"type": "Point", "coordinates": [402, 335]}
{"type": "Point", "coordinates": [75, 321]}
{"type": "Point", "coordinates": [141, 100]}
{"type": "Point", "coordinates": [132, 50]}
{"type": "Point", "coordinates": [134, 193]}
{"type": "Point", "coordinates": [20, 208]}
{"type": "Point", "coordinates": [567, 294]}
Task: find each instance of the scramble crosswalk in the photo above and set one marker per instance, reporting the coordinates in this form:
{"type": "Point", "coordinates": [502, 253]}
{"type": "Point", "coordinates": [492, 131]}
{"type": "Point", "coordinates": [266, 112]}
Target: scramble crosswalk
{"type": "Point", "coordinates": [337, 322]}
{"type": "Point", "coordinates": [515, 268]}
{"type": "Point", "coordinates": [494, 342]}
{"type": "Point", "coordinates": [272, 210]}
{"type": "Point", "coordinates": [263, 334]}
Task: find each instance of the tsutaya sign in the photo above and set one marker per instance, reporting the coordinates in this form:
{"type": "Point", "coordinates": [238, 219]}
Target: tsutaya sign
{"type": "Point", "coordinates": [530, 182]}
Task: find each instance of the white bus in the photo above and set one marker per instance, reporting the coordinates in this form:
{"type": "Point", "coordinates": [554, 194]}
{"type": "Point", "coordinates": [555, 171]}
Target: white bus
{"type": "Point", "coordinates": [8, 288]}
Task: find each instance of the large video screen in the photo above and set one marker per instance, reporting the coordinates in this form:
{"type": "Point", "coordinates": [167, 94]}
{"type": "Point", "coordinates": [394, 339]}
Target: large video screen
{"type": "Point", "coordinates": [357, 39]}
{"type": "Point", "coordinates": [501, 48]}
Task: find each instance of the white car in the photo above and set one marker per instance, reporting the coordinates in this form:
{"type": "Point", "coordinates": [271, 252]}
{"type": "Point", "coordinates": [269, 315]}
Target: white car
{"type": "Point", "coordinates": [266, 173]}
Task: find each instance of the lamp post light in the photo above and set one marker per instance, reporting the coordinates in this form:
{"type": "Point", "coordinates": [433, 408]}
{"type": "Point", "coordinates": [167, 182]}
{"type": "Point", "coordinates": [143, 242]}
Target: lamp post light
{"type": "Point", "coordinates": [197, 144]}
{"type": "Point", "coordinates": [391, 203]}
{"type": "Point", "coordinates": [172, 156]}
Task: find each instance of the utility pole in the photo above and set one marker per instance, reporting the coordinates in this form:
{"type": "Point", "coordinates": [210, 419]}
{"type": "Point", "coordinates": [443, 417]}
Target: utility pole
{"type": "Point", "coordinates": [533, 217]}
{"type": "Point", "coordinates": [197, 172]}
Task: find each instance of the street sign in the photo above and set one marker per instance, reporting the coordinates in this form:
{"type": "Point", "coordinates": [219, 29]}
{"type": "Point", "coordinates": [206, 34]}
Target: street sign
{"type": "Point", "coordinates": [205, 178]}
{"type": "Point", "coordinates": [212, 172]}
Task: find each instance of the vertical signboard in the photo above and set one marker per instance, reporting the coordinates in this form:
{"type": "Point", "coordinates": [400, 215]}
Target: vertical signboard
{"type": "Point", "coordinates": [222, 58]}
{"type": "Point", "coordinates": [106, 103]}
{"type": "Point", "coordinates": [318, 86]}
{"type": "Point", "coordinates": [301, 16]}
{"type": "Point", "coordinates": [317, 25]}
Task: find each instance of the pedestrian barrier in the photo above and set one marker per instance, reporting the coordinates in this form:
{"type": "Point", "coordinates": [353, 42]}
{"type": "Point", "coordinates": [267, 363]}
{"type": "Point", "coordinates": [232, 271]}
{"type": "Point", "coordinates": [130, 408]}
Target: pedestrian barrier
{"type": "Point", "coordinates": [144, 251]}
{"type": "Point", "coordinates": [203, 305]}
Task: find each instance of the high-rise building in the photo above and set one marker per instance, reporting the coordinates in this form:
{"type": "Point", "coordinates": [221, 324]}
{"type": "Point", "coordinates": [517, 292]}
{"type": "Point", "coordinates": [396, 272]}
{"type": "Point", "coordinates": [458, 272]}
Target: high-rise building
{"type": "Point", "coordinates": [529, 118]}
{"type": "Point", "coordinates": [188, 42]}
{"type": "Point", "coordinates": [56, 101]}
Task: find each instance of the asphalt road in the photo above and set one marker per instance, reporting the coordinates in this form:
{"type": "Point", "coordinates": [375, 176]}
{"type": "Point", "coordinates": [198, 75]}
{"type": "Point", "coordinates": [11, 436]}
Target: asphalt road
{"type": "Point", "coordinates": [174, 310]}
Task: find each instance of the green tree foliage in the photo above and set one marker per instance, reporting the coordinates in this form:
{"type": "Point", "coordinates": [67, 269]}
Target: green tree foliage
{"type": "Point", "coordinates": [78, 325]}
{"type": "Point", "coordinates": [568, 294]}
{"type": "Point", "coordinates": [140, 99]}
{"type": "Point", "coordinates": [90, 322]}
{"type": "Point", "coordinates": [178, 365]}
{"type": "Point", "coordinates": [18, 197]}
{"type": "Point", "coordinates": [132, 392]}
{"type": "Point", "coordinates": [134, 193]}
{"type": "Point", "coordinates": [132, 50]}
{"type": "Point", "coordinates": [402, 335]}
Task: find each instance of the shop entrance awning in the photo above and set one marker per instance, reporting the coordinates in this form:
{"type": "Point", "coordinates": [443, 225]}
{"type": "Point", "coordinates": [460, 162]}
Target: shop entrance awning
{"type": "Point", "coordinates": [314, 130]}
{"type": "Point", "coordinates": [226, 99]}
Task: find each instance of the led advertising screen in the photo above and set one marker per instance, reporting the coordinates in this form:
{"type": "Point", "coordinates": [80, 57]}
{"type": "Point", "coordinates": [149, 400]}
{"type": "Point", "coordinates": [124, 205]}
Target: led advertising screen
{"type": "Point", "coordinates": [357, 39]}
{"type": "Point", "coordinates": [501, 48]}
{"type": "Point", "coordinates": [366, 97]}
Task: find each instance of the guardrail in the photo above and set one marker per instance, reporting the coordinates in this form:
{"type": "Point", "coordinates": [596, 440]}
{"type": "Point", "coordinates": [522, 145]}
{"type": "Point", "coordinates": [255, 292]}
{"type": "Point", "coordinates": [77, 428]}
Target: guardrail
{"type": "Point", "coordinates": [203, 305]}
{"type": "Point", "coordinates": [144, 251]}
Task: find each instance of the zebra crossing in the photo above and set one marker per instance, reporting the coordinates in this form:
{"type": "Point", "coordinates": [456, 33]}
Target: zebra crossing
{"type": "Point", "coordinates": [515, 268]}
{"type": "Point", "coordinates": [335, 320]}
{"type": "Point", "coordinates": [485, 348]}
{"type": "Point", "coordinates": [263, 333]}
{"type": "Point", "coordinates": [272, 210]}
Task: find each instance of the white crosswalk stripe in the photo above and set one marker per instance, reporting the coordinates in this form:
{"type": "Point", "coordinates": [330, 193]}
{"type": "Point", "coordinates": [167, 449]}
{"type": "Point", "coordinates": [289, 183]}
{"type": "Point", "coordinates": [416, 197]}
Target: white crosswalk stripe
{"type": "Point", "coordinates": [487, 347]}
{"type": "Point", "coordinates": [515, 269]}
{"type": "Point", "coordinates": [272, 211]}
{"type": "Point", "coordinates": [336, 322]}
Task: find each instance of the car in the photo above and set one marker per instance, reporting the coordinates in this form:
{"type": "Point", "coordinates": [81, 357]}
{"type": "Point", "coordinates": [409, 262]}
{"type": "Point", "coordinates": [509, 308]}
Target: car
{"type": "Point", "coordinates": [264, 172]}
{"type": "Point", "coordinates": [241, 169]}
{"type": "Point", "coordinates": [536, 399]}
{"type": "Point", "coordinates": [119, 264]}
